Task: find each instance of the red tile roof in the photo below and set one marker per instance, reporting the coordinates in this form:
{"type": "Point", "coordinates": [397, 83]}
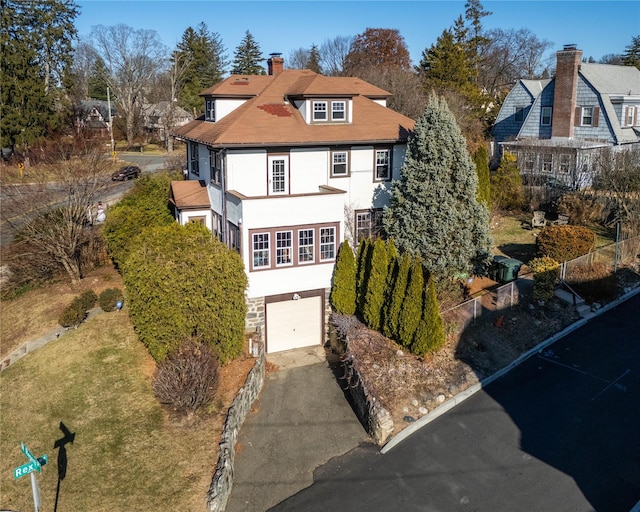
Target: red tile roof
{"type": "Point", "coordinates": [268, 119]}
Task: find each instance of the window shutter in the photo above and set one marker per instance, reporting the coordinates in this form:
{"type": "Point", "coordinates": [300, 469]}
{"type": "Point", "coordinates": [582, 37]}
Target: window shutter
{"type": "Point", "coordinates": [635, 116]}
{"type": "Point", "coordinates": [578, 120]}
{"type": "Point", "coordinates": [596, 114]}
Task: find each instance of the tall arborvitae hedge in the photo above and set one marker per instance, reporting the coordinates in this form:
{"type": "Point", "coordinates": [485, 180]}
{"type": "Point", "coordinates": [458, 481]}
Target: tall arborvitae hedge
{"type": "Point", "coordinates": [376, 285]}
{"type": "Point", "coordinates": [392, 274]}
{"type": "Point", "coordinates": [362, 272]}
{"type": "Point", "coordinates": [481, 160]}
{"type": "Point", "coordinates": [343, 284]}
{"type": "Point", "coordinates": [429, 335]}
{"type": "Point", "coordinates": [412, 305]}
{"type": "Point", "coordinates": [394, 306]}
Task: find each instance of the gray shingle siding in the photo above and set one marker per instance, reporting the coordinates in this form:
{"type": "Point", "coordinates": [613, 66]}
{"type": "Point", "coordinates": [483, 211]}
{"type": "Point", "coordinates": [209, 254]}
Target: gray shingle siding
{"type": "Point", "coordinates": [532, 127]}
{"type": "Point", "coordinates": [588, 97]}
{"type": "Point", "coordinates": [506, 126]}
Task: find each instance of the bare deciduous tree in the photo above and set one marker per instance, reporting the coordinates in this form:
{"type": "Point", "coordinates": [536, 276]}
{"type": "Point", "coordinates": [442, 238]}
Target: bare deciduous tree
{"type": "Point", "coordinates": [333, 54]}
{"type": "Point", "coordinates": [132, 58]}
{"type": "Point", "coordinates": [53, 215]}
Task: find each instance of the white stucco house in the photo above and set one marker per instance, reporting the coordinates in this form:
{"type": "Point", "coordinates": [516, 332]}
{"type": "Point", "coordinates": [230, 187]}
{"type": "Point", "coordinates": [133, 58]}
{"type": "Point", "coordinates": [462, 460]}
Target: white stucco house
{"type": "Point", "coordinates": [283, 168]}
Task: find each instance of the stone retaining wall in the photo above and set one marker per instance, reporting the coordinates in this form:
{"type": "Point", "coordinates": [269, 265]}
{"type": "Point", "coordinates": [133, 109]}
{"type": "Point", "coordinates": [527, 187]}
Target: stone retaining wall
{"type": "Point", "coordinates": [222, 482]}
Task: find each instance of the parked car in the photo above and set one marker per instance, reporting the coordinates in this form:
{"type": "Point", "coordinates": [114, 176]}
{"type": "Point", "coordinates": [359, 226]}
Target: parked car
{"type": "Point", "coordinates": [126, 173]}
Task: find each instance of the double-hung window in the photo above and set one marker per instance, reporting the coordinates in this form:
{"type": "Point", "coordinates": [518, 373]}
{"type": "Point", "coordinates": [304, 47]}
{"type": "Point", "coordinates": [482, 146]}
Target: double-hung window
{"type": "Point", "coordinates": [339, 163]}
{"type": "Point", "coordinates": [306, 246]}
{"type": "Point", "coordinates": [260, 249]}
{"type": "Point", "coordinates": [210, 110]}
{"type": "Point", "coordinates": [368, 223]}
{"type": "Point", "coordinates": [545, 116]}
{"type": "Point", "coordinates": [338, 110]}
{"type": "Point", "coordinates": [215, 165]}
{"type": "Point", "coordinates": [382, 165]}
{"type": "Point", "coordinates": [194, 165]}
{"type": "Point", "coordinates": [629, 115]}
{"type": "Point", "coordinates": [587, 116]}
{"type": "Point", "coordinates": [565, 163]}
{"type": "Point", "coordinates": [284, 248]}
{"type": "Point", "coordinates": [319, 110]}
{"type": "Point", "coordinates": [547, 162]}
{"type": "Point", "coordinates": [327, 243]}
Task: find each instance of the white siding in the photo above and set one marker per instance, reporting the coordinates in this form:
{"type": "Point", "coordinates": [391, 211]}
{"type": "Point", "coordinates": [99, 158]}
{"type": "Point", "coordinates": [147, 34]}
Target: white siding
{"type": "Point", "coordinates": [186, 216]}
{"type": "Point", "coordinates": [226, 106]}
{"type": "Point", "coordinates": [247, 172]}
{"type": "Point", "coordinates": [308, 169]}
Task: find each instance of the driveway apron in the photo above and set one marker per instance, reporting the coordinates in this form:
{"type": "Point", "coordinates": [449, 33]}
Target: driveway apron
{"type": "Point", "coordinates": [301, 420]}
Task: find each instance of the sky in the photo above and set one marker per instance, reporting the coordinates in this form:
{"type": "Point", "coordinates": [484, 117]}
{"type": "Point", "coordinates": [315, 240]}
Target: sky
{"type": "Point", "coordinates": [598, 28]}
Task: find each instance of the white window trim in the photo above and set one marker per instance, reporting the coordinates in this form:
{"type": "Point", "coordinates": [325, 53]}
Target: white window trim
{"type": "Point", "coordinates": [326, 244]}
{"type": "Point", "coordinates": [282, 250]}
{"type": "Point", "coordinates": [376, 165]}
{"type": "Point", "coordinates": [271, 160]}
{"type": "Point", "coordinates": [267, 248]}
{"type": "Point", "coordinates": [583, 116]}
{"type": "Point", "coordinates": [343, 111]}
{"type": "Point", "coordinates": [210, 110]}
{"type": "Point", "coordinates": [313, 111]}
{"type": "Point", "coordinates": [335, 174]}
{"type": "Point", "coordinates": [312, 245]}
{"type": "Point", "coordinates": [542, 116]}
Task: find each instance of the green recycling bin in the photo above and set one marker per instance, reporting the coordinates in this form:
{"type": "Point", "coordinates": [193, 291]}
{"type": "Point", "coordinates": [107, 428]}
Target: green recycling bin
{"type": "Point", "coordinates": [505, 269]}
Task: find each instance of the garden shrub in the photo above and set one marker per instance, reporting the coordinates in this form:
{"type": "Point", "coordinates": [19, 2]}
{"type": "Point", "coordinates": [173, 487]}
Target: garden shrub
{"type": "Point", "coordinates": [545, 275]}
{"type": "Point", "coordinates": [187, 379]}
{"type": "Point", "coordinates": [429, 335]}
{"type": "Point", "coordinates": [74, 315]}
{"type": "Point", "coordinates": [109, 298]}
{"type": "Point", "coordinates": [564, 243]}
{"type": "Point", "coordinates": [376, 285]}
{"type": "Point", "coordinates": [89, 299]}
{"type": "Point", "coordinates": [412, 305]}
{"type": "Point", "coordinates": [343, 284]}
{"type": "Point", "coordinates": [582, 209]}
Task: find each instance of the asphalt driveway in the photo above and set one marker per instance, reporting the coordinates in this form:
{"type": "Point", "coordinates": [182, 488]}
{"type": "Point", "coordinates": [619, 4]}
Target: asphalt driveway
{"type": "Point", "coordinates": [561, 432]}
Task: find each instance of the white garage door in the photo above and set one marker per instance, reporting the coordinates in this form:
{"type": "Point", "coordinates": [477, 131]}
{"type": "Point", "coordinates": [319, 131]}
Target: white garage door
{"type": "Point", "coordinates": [294, 324]}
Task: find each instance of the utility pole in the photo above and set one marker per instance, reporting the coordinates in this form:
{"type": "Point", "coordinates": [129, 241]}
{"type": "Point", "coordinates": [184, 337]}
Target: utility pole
{"type": "Point", "coordinates": [113, 146]}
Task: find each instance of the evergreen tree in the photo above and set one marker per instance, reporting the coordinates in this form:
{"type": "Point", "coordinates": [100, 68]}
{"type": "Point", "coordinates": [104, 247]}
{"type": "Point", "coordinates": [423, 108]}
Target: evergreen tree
{"type": "Point", "coordinates": [481, 160]}
{"type": "Point", "coordinates": [247, 57]}
{"type": "Point", "coordinates": [36, 39]}
{"type": "Point", "coordinates": [446, 65]}
{"type": "Point", "coordinates": [314, 60]}
{"type": "Point", "coordinates": [411, 305]}
{"type": "Point", "coordinates": [376, 285]}
{"type": "Point", "coordinates": [392, 274]}
{"type": "Point", "coordinates": [434, 212]}
{"type": "Point", "coordinates": [206, 62]}
{"type": "Point", "coordinates": [631, 55]}
{"type": "Point", "coordinates": [97, 81]}
{"type": "Point", "coordinates": [398, 291]}
{"type": "Point", "coordinates": [474, 12]}
{"type": "Point", "coordinates": [343, 284]}
{"type": "Point", "coordinates": [506, 184]}
{"type": "Point", "coordinates": [429, 335]}
{"type": "Point", "coordinates": [362, 275]}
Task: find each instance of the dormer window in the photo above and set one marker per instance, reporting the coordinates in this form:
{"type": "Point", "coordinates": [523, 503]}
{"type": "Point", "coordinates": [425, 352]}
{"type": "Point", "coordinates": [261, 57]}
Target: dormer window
{"type": "Point", "coordinates": [319, 110]}
{"type": "Point", "coordinates": [210, 110]}
{"type": "Point", "coordinates": [338, 110]}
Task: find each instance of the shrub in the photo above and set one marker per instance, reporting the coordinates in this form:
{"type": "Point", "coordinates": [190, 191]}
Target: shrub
{"type": "Point", "coordinates": [376, 285]}
{"type": "Point", "coordinates": [187, 379]}
{"type": "Point", "coordinates": [412, 305]}
{"type": "Point", "coordinates": [74, 315]}
{"type": "Point", "coordinates": [394, 305]}
{"type": "Point", "coordinates": [343, 285]}
{"type": "Point", "coordinates": [581, 209]}
{"type": "Point", "coordinates": [506, 185]}
{"type": "Point", "coordinates": [429, 335]}
{"type": "Point", "coordinates": [181, 282]}
{"type": "Point", "coordinates": [109, 298]}
{"type": "Point", "coordinates": [88, 299]}
{"type": "Point", "coordinates": [564, 243]}
{"type": "Point", "coordinates": [545, 275]}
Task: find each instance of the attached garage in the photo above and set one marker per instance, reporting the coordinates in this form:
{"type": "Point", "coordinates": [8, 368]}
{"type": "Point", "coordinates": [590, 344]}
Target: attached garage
{"type": "Point", "coordinates": [294, 323]}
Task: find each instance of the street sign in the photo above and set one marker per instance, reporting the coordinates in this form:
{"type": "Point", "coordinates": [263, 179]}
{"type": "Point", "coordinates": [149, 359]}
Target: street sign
{"type": "Point", "coordinates": [30, 456]}
{"type": "Point", "coordinates": [25, 469]}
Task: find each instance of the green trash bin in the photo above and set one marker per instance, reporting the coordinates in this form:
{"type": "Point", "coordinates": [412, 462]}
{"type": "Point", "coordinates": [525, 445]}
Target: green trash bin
{"type": "Point", "coordinates": [505, 269]}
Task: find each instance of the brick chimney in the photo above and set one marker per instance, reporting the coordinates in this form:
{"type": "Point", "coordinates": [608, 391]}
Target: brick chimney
{"type": "Point", "coordinates": [565, 91]}
{"type": "Point", "coordinates": [275, 63]}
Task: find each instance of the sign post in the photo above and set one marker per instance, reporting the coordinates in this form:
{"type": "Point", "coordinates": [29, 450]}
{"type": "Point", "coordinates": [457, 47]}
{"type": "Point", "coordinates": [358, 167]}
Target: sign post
{"type": "Point", "coordinates": [34, 464]}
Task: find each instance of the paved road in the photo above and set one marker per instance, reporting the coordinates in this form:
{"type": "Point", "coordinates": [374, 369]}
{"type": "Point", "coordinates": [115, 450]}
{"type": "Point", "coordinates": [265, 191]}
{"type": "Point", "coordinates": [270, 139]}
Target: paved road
{"type": "Point", "coordinates": [559, 433]}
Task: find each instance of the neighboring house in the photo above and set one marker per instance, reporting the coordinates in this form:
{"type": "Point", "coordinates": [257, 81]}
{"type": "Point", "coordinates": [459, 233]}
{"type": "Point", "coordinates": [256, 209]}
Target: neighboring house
{"type": "Point", "coordinates": [557, 127]}
{"type": "Point", "coordinates": [93, 117]}
{"type": "Point", "coordinates": [159, 118]}
{"type": "Point", "coordinates": [283, 168]}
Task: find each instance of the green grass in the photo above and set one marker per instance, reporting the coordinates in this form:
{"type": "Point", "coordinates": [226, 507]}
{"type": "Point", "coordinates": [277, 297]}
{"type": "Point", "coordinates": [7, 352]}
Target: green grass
{"type": "Point", "coordinates": [127, 453]}
{"type": "Point", "coordinates": [513, 237]}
